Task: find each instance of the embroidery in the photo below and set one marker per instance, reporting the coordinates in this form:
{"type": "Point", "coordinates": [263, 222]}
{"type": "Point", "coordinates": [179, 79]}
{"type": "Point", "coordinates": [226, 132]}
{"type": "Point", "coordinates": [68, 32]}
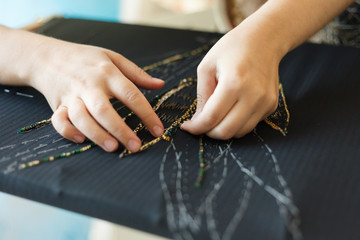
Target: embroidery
{"type": "Point", "coordinates": [173, 108]}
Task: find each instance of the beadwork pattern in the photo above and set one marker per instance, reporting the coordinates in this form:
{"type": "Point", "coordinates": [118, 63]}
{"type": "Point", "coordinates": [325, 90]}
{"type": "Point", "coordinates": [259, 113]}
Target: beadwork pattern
{"type": "Point", "coordinates": [185, 104]}
{"type": "Point", "coordinates": [279, 120]}
{"type": "Point", "coordinates": [170, 131]}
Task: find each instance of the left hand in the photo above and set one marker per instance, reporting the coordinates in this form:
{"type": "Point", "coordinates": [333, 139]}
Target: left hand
{"type": "Point", "coordinates": [238, 86]}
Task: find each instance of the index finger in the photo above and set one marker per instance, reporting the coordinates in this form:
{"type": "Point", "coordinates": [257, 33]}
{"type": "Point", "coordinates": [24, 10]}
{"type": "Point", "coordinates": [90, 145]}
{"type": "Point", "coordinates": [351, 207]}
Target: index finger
{"type": "Point", "coordinates": [214, 110]}
{"type": "Point", "coordinates": [125, 91]}
{"type": "Point", "coordinates": [133, 72]}
{"type": "Point", "coordinates": [206, 84]}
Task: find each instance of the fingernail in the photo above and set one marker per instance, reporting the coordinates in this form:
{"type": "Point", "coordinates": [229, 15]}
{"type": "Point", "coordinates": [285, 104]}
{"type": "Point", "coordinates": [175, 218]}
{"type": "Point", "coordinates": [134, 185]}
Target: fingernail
{"type": "Point", "coordinates": [78, 139]}
{"type": "Point", "coordinates": [110, 145]}
{"type": "Point", "coordinates": [133, 145]}
{"type": "Point", "coordinates": [195, 115]}
{"type": "Point", "coordinates": [158, 131]}
{"type": "Point", "coordinates": [181, 126]}
{"type": "Point", "coordinates": [158, 79]}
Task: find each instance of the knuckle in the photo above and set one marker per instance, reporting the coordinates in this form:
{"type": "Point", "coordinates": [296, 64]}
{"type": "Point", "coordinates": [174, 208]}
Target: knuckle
{"type": "Point", "coordinates": [99, 108]}
{"type": "Point", "coordinates": [122, 134]}
{"type": "Point", "coordinates": [140, 72]}
{"type": "Point", "coordinates": [118, 133]}
{"type": "Point", "coordinates": [132, 95]}
{"type": "Point", "coordinates": [235, 84]}
{"type": "Point", "coordinates": [97, 138]}
{"type": "Point", "coordinates": [271, 101]}
{"type": "Point", "coordinates": [237, 76]}
{"type": "Point", "coordinates": [263, 95]}
{"type": "Point", "coordinates": [201, 68]}
{"type": "Point", "coordinates": [226, 134]}
{"type": "Point", "coordinates": [211, 119]}
{"type": "Point", "coordinates": [142, 76]}
{"type": "Point", "coordinates": [106, 68]}
{"type": "Point", "coordinates": [239, 73]}
{"type": "Point", "coordinates": [220, 134]}
{"type": "Point", "coordinates": [75, 114]}
{"type": "Point", "coordinates": [56, 116]}
{"type": "Point", "coordinates": [64, 130]}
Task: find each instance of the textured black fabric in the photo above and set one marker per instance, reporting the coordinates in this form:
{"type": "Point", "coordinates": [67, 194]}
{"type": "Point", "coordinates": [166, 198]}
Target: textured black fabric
{"type": "Point", "coordinates": [258, 187]}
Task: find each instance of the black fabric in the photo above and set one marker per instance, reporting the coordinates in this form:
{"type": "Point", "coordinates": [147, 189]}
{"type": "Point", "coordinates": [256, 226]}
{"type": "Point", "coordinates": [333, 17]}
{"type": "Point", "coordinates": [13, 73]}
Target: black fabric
{"type": "Point", "coordinates": [263, 186]}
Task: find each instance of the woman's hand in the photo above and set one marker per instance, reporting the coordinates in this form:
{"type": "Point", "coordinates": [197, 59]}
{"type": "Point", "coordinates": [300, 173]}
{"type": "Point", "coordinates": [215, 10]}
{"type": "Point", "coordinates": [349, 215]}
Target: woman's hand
{"type": "Point", "coordinates": [238, 78]}
{"type": "Point", "coordinates": [78, 81]}
{"type": "Point", "coordinates": [237, 86]}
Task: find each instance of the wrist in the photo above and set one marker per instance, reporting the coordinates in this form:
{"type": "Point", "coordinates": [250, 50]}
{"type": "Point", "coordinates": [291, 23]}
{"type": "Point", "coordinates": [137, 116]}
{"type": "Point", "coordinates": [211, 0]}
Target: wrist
{"type": "Point", "coordinates": [284, 24]}
{"type": "Point", "coordinates": [259, 36]}
{"type": "Point", "coordinates": [18, 58]}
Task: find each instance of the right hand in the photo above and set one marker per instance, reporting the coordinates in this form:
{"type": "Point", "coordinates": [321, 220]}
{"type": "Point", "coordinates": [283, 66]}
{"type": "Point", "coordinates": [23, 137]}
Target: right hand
{"type": "Point", "coordinates": [78, 81]}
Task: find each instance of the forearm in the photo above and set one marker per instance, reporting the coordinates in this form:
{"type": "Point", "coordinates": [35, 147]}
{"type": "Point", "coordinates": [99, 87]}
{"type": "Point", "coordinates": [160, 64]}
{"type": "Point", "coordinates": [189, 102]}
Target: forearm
{"type": "Point", "coordinates": [284, 24]}
{"type": "Point", "coordinates": [17, 55]}
{"type": "Point", "coordinates": [238, 79]}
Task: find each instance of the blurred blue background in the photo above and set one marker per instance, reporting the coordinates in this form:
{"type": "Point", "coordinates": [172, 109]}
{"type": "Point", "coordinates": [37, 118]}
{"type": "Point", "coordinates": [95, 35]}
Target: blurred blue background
{"type": "Point", "coordinates": [17, 13]}
{"type": "Point", "coordinates": [23, 219]}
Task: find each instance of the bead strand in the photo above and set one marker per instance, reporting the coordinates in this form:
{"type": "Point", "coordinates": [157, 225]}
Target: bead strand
{"type": "Point", "coordinates": [52, 158]}
{"type": "Point", "coordinates": [186, 82]}
{"type": "Point", "coordinates": [201, 173]}
{"type": "Point", "coordinates": [34, 126]}
{"type": "Point", "coordinates": [168, 133]}
{"type": "Point", "coordinates": [177, 57]}
{"type": "Point", "coordinates": [271, 123]}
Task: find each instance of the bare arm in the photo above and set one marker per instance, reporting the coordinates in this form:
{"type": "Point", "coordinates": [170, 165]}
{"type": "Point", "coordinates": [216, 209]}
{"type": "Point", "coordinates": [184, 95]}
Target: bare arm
{"type": "Point", "coordinates": [238, 78]}
{"type": "Point", "coordinates": [78, 81]}
{"type": "Point", "coordinates": [290, 23]}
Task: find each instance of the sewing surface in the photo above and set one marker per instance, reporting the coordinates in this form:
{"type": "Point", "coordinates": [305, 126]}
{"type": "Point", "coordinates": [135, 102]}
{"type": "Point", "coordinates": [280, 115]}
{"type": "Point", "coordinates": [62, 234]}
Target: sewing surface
{"type": "Point", "coordinates": [262, 186]}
